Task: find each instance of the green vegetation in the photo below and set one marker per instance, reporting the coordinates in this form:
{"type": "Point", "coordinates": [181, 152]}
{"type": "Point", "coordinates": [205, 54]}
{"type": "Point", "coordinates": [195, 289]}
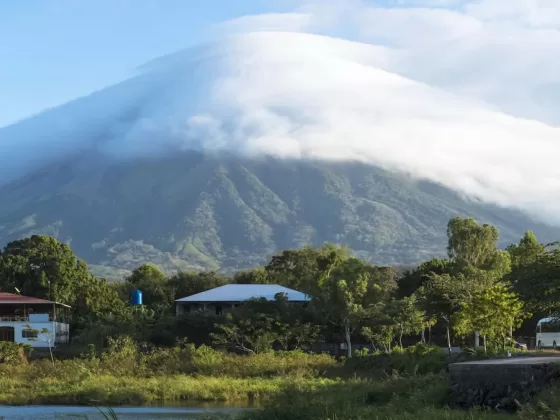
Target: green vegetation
{"type": "Point", "coordinates": [266, 351]}
{"type": "Point", "coordinates": [192, 212]}
{"type": "Point", "coordinates": [128, 373]}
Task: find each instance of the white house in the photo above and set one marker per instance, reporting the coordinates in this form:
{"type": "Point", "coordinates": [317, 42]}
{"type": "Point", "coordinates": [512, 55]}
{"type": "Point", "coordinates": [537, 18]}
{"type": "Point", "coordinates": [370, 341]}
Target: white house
{"type": "Point", "coordinates": [22, 316]}
{"type": "Point", "coordinates": [225, 298]}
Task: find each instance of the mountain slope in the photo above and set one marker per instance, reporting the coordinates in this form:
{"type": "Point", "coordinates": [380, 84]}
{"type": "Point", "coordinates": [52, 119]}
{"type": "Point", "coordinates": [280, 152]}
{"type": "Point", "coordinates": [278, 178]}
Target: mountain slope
{"type": "Point", "coordinates": [220, 211]}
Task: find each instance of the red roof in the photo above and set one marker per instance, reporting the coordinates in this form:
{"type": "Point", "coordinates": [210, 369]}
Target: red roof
{"type": "Point", "coordinates": [13, 298]}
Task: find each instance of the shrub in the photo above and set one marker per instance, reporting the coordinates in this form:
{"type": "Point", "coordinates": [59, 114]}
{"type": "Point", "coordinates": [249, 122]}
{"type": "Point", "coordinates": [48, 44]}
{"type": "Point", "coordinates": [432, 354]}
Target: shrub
{"type": "Point", "coordinates": [419, 359]}
{"type": "Point", "coordinates": [13, 353]}
{"type": "Point", "coordinates": [121, 358]}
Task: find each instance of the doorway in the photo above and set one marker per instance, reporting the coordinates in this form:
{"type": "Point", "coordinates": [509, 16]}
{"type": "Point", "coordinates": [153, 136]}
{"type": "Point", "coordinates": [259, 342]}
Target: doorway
{"type": "Point", "coordinates": [7, 334]}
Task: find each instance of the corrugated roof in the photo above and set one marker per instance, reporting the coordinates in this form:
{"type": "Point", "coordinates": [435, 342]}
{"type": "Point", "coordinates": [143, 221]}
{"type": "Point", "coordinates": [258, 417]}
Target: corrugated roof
{"type": "Point", "coordinates": [242, 292]}
{"type": "Point", "coordinates": [19, 299]}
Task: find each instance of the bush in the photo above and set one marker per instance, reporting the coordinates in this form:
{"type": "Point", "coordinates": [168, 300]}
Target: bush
{"type": "Point", "coordinates": [415, 360]}
{"type": "Point", "coordinates": [13, 353]}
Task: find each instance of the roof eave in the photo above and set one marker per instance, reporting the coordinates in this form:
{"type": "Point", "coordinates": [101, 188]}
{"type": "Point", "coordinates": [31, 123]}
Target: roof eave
{"type": "Point", "coordinates": [19, 302]}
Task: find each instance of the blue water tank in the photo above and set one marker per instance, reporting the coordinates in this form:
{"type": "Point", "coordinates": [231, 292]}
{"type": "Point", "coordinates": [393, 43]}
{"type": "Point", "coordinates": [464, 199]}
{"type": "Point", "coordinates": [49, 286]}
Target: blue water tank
{"type": "Point", "coordinates": [136, 298]}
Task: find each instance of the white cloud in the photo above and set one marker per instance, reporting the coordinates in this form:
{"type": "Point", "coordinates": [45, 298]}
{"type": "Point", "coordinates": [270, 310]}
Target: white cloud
{"type": "Point", "coordinates": [465, 93]}
{"type": "Point", "coordinates": [268, 22]}
{"type": "Point", "coordinates": [481, 120]}
{"type": "Point", "coordinates": [297, 95]}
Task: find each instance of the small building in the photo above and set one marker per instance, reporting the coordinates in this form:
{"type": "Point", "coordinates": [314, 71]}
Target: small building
{"type": "Point", "coordinates": [21, 317]}
{"type": "Point", "coordinates": [225, 298]}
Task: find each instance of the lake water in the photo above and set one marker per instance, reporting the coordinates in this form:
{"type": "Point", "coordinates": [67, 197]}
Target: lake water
{"type": "Point", "coordinates": [125, 413]}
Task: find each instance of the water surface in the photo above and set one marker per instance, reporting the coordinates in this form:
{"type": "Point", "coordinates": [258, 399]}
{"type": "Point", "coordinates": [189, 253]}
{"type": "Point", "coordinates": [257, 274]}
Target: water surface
{"type": "Point", "coordinates": [39, 412]}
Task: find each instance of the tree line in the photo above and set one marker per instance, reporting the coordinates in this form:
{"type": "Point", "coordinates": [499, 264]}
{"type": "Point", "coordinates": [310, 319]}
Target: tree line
{"type": "Point", "coordinates": [477, 288]}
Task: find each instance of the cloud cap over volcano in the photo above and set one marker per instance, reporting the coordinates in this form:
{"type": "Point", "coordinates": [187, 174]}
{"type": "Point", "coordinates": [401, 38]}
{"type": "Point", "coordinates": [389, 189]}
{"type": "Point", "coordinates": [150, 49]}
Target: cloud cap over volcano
{"type": "Point", "coordinates": [418, 88]}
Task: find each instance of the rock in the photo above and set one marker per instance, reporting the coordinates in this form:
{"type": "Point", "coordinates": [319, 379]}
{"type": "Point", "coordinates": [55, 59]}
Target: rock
{"type": "Point", "coordinates": [506, 403]}
{"type": "Point", "coordinates": [503, 387]}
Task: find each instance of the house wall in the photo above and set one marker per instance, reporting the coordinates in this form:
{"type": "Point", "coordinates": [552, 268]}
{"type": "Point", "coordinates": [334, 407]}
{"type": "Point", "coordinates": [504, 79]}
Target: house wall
{"type": "Point", "coordinates": [214, 308]}
{"type": "Point", "coordinates": [62, 332]}
{"type": "Point", "coordinates": [210, 307]}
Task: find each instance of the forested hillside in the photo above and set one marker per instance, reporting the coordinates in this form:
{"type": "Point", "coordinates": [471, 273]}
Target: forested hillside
{"type": "Point", "coordinates": [195, 211]}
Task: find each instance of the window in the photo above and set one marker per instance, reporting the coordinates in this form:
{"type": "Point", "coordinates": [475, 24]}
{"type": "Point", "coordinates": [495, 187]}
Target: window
{"type": "Point", "coordinates": [552, 326]}
{"type": "Point", "coordinates": [27, 333]}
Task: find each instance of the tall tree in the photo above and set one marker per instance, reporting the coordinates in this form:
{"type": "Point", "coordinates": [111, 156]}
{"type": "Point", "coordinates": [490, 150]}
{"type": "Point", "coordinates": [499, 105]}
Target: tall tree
{"type": "Point", "coordinates": [443, 295]}
{"type": "Point", "coordinates": [539, 282]}
{"type": "Point", "coordinates": [349, 291]}
{"type": "Point", "coordinates": [492, 311]}
{"type": "Point", "coordinates": [186, 283]}
{"type": "Point", "coordinates": [412, 280]}
{"type": "Point", "coordinates": [254, 276]}
{"type": "Point", "coordinates": [474, 245]}
{"type": "Point", "coordinates": [408, 316]}
{"type": "Point", "coordinates": [303, 269]}
{"type": "Point", "coordinates": [531, 264]}
{"type": "Point", "coordinates": [475, 264]}
{"type": "Point", "coordinates": [97, 296]}
{"type": "Point", "coordinates": [527, 252]}
{"type": "Point", "coordinates": [43, 267]}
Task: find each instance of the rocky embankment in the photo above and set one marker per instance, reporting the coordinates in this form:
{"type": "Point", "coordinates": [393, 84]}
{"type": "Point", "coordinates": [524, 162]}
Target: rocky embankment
{"type": "Point", "coordinates": [502, 384]}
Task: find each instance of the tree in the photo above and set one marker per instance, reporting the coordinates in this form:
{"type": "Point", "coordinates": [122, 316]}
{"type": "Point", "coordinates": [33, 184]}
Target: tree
{"type": "Point", "coordinates": [539, 281]}
{"type": "Point", "coordinates": [350, 289]}
{"type": "Point", "coordinates": [280, 322]}
{"type": "Point", "coordinates": [304, 269]}
{"type": "Point", "coordinates": [474, 245]}
{"type": "Point", "coordinates": [407, 316]}
{"type": "Point", "coordinates": [475, 263]}
{"type": "Point", "coordinates": [97, 328]}
{"type": "Point", "coordinates": [531, 267]}
{"type": "Point", "coordinates": [153, 284]}
{"type": "Point", "coordinates": [186, 283]}
{"type": "Point", "coordinates": [45, 335]}
{"type": "Point", "coordinates": [442, 295]}
{"type": "Point", "coordinates": [43, 267]}
{"type": "Point", "coordinates": [492, 311]}
{"type": "Point", "coordinates": [254, 276]}
{"type": "Point", "coordinates": [527, 252]}
{"type": "Point", "coordinates": [412, 280]}
{"type": "Point", "coordinates": [378, 327]}
{"type": "Point", "coordinates": [97, 296]}
{"type": "Point", "coordinates": [380, 335]}
{"type": "Point", "coordinates": [251, 334]}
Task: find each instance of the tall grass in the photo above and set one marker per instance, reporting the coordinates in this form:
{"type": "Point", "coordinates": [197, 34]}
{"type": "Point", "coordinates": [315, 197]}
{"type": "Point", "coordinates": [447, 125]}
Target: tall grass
{"type": "Point", "coordinates": [315, 385]}
{"type": "Point", "coordinates": [113, 390]}
{"type": "Point", "coordinates": [108, 413]}
{"type": "Point", "coordinates": [402, 398]}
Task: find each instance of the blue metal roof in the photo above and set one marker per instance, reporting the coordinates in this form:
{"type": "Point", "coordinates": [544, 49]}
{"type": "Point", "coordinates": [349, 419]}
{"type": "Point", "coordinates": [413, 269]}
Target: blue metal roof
{"type": "Point", "coordinates": [242, 292]}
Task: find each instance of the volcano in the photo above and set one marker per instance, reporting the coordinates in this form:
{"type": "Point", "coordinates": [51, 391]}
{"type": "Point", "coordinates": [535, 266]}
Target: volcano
{"type": "Point", "coordinates": [220, 155]}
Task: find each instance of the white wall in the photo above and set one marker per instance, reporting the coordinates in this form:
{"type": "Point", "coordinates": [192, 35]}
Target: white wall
{"type": "Point", "coordinates": [38, 342]}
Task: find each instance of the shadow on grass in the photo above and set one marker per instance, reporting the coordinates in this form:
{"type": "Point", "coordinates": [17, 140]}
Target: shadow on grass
{"type": "Point", "coordinates": [412, 398]}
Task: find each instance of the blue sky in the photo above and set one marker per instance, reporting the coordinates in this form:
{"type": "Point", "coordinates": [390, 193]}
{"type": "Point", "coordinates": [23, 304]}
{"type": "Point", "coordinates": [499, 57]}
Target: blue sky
{"type": "Point", "coordinates": [55, 50]}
